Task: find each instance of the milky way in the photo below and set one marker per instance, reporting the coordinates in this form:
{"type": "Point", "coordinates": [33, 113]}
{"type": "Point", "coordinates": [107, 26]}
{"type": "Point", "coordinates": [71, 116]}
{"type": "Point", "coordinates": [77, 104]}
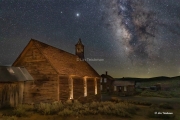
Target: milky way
{"type": "Point", "coordinates": [134, 27]}
{"type": "Point", "coordinates": [136, 38]}
{"type": "Point", "coordinates": [144, 31]}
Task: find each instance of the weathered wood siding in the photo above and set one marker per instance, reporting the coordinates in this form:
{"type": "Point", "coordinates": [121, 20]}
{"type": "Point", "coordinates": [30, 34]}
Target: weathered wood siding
{"type": "Point", "coordinates": [64, 90]}
{"type": "Point", "coordinates": [78, 87]}
{"type": "Point", "coordinates": [130, 90]}
{"type": "Point", "coordinates": [90, 87]}
{"type": "Point", "coordinates": [44, 88]}
{"type": "Point", "coordinates": [11, 94]}
{"type": "Point", "coordinates": [106, 85]}
{"type": "Point", "coordinates": [27, 96]}
{"type": "Point", "coordinates": [98, 86]}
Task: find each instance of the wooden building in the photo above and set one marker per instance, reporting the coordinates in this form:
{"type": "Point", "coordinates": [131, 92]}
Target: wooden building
{"type": "Point", "coordinates": [13, 81]}
{"type": "Point", "coordinates": [106, 83]}
{"type": "Point", "coordinates": [117, 86]}
{"type": "Point", "coordinates": [124, 88]}
{"type": "Point", "coordinates": [58, 75]}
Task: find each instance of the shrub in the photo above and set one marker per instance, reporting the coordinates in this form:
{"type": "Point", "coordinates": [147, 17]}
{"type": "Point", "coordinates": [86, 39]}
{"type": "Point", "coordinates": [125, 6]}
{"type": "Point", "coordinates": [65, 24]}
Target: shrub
{"type": "Point", "coordinates": [139, 102]}
{"type": "Point", "coordinates": [20, 111]}
{"type": "Point", "coordinates": [49, 108]}
{"type": "Point", "coordinates": [27, 107]}
{"type": "Point", "coordinates": [65, 112]}
{"type": "Point", "coordinates": [94, 105]}
{"type": "Point", "coordinates": [123, 109]}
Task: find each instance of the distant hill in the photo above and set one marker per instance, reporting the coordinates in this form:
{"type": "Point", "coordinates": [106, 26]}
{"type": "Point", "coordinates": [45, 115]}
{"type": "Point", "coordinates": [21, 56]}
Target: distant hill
{"type": "Point", "coordinates": [147, 79]}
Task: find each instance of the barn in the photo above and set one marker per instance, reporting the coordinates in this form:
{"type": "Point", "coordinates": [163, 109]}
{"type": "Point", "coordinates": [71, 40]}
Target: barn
{"type": "Point", "coordinates": [58, 75]}
{"type": "Point", "coordinates": [12, 85]}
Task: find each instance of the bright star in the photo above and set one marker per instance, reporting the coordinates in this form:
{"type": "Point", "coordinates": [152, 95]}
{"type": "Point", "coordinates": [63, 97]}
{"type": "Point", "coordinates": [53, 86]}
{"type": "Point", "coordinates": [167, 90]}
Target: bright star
{"type": "Point", "coordinates": [77, 14]}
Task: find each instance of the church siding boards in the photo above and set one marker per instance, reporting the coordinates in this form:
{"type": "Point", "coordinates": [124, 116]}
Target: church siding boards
{"type": "Point", "coordinates": [44, 74]}
{"type": "Point", "coordinates": [53, 69]}
{"type": "Point", "coordinates": [90, 86]}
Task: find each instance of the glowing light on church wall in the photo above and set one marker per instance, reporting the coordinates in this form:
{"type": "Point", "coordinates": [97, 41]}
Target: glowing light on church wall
{"type": "Point", "coordinates": [95, 86]}
{"type": "Point", "coordinates": [85, 87]}
{"type": "Point", "coordinates": [71, 88]}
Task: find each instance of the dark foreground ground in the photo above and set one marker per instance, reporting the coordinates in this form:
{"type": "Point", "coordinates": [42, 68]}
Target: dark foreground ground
{"type": "Point", "coordinates": [175, 102]}
{"type": "Point", "coordinates": [147, 106]}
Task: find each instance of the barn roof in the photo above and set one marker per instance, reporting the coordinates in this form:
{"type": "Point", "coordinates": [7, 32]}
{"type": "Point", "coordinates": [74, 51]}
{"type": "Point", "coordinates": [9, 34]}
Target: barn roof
{"type": "Point", "coordinates": [62, 61]}
{"type": "Point", "coordinates": [13, 74]}
{"type": "Point", "coordinates": [123, 83]}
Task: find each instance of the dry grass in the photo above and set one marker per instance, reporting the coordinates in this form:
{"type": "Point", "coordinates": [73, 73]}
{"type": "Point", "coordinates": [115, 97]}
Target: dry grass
{"type": "Point", "coordinates": [122, 109]}
{"type": "Point", "coordinates": [88, 111]}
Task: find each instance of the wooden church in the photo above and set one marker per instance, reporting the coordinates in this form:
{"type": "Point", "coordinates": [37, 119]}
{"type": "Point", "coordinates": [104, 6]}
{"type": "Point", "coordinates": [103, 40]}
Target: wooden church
{"type": "Point", "coordinates": [58, 75]}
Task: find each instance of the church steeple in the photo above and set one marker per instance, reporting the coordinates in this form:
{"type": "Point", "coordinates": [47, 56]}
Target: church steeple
{"type": "Point", "coordinates": [79, 48]}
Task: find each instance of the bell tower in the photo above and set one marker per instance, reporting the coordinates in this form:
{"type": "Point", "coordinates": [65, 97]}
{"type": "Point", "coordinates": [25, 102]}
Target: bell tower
{"type": "Point", "coordinates": [79, 48]}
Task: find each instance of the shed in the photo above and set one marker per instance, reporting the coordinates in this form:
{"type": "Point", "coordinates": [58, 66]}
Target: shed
{"type": "Point", "coordinates": [124, 87]}
{"type": "Point", "coordinates": [12, 83]}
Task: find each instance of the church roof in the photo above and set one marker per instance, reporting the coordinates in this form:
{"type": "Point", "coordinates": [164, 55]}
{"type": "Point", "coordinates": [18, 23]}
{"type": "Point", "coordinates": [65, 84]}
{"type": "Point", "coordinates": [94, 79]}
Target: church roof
{"type": "Point", "coordinates": [62, 61]}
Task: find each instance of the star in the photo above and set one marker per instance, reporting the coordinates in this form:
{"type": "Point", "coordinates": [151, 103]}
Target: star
{"type": "Point", "coordinates": [77, 14]}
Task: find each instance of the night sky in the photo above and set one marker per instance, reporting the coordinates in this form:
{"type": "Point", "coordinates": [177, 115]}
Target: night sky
{"type": "Point", "coordinates": [136, 38]}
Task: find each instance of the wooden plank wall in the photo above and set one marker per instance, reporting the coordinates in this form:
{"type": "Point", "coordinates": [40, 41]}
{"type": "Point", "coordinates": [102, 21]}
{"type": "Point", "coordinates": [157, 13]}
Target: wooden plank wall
{"type": "Point", "coordinates": [11, 94]}
{"type": "Point", "coordinates": [28, 90]}
{"type": "Point", "coordinates": [44, 88]}
{"type": "Point", "coordinates": [90, 87]}
{"type": "Point", "coordinates": [130, 90]}
{"type": "Point", "coordinates": [78, 87]}
{"type": "Point", "coordinates": [64, 91]}
{"type": "Point", "coordinates": [98, 86]}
